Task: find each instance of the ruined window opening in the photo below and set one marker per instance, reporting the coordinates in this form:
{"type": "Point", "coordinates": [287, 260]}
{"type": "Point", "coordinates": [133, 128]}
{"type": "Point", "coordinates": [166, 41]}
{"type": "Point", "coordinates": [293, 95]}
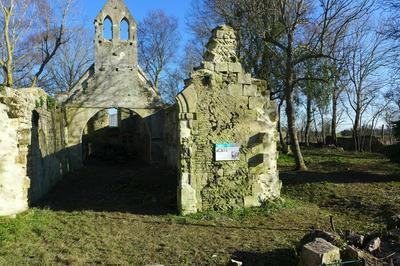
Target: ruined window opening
{"type": "Point", "coordinates": [124, 30]}
{"type": "Point", "coordinates": [108, 29]}
{"type": "Point", "coordinates": [113, 117]}
{"type": "Point", "coordinates": [35, 119]}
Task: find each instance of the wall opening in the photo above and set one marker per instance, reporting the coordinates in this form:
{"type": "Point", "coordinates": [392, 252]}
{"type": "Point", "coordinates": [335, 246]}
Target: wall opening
{"type": "Point", "coordinates": [108, 29]}
{"type": "Point", "coordinates": [117, 135]}
{"type": "Point", "coordinates": [112, 117]}
{"type": "Point", "coordinates": [117, 174]}
{"type": "Point", "coordinates": [124, 30]}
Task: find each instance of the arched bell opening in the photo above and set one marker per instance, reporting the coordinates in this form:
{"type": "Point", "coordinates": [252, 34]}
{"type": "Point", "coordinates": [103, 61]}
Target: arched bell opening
{"type": "Point", "coordinates": [108, 32]}
{"type": "Point", "coordinates": [124, 30]}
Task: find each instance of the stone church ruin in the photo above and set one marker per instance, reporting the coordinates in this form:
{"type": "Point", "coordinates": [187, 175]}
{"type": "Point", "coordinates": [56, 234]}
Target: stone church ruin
{"type": "Point", "coordinates": [219, 138]}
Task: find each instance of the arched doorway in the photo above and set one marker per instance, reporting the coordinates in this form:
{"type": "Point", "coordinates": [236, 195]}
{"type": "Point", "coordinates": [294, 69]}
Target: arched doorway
{"type": "Point", "coordinates": [117, 135]}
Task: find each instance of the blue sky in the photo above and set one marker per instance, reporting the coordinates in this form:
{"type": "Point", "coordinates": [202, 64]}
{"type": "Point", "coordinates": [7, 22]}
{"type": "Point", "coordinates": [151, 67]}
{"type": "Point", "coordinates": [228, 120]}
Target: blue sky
{"type": "Point", "coordinates": [139, 9]}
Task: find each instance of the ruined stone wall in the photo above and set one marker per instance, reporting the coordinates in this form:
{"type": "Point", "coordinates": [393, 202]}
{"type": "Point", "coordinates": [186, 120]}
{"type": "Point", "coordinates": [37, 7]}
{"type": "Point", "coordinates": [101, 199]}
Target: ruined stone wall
{"type": "Point", "coordinates": [223, 104]}
{"type": "Point", "coordinates": [13, 180]}
{"type": "Point", "coordinates": [170, 138]}
{"type": "Point", "coordinates": [36, 128]}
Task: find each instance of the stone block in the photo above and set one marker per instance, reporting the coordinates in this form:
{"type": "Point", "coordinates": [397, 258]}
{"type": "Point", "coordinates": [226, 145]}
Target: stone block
{"type": "Point", "coordinates": [185, 178]}
{"type": "Point", "coordinates": [250, 90]}
{"type": "Point", "coordinates": [256, 103]}
{"type": "Point", "coordinates": [235, 67]}
{"type": "Point", "coordinates": [22, 157]}
{"type": "Point", "coordinates": [189, 116]}
{"type": "Point", "coordinates": [319, 252]}
{"type": "Point", "coordinates": [251, 115]}
{"type": "Point", "coordinates": [245, 78]}
{"type": "Point", "coordinates": [221, 67]}
{"type": "Point", "coordinates": [220, 34]}
{"type": "Point", "coordinates": [188, 202]}
{"type": "Point", "coordinates": [184, 129]}
{"type": "Point", "coordinates": [374, 244]}
{"type": "Point", "coordinates": [235, 90]}
{"type": "Point", "coordinates": [209, 66]}
{"type": "Point", "coordinates": [250, 201]}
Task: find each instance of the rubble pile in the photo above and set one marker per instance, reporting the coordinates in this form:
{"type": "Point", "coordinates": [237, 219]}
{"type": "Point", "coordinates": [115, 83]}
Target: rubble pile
{"type": "Point", "coordinates": [350, 248]}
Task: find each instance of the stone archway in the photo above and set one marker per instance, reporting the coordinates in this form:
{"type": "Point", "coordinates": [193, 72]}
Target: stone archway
{"type": "Point", "coordinates": [77, 119]}
{"type": "Point", "coordinates": [122, 135]}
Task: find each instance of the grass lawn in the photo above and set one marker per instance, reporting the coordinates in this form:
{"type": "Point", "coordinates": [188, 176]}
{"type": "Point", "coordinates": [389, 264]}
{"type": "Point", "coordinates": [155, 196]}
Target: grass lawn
{"type": "Point", "coordinates": [85, 227]}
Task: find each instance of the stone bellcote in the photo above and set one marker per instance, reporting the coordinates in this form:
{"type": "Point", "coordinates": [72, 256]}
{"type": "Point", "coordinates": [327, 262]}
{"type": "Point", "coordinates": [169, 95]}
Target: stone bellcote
{"type": "Point", "coordinates": [120, 47]}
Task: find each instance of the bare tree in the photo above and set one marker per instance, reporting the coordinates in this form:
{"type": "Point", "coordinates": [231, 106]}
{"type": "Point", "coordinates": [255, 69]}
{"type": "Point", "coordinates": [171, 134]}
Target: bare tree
{"type": "Point", "coordinates": [170, 86]}
{"type": "Point", "coordinates": [192, 57]}
{"type": "Point", "coordinates": [294, 32]}
{"type": "Point", "coordinates": [158, 42]}
{"type": "Point", "coordinates": [393, 24]}
{"type": "Point", "coordinates": [33, 31]}
{"type": "Point", "coordinates": [15, 21]}
{"type": "Point", "coordinates": [202, 19]}
{"type": "Point", "coordinates": [52, 33]}
{"type": "Point", "coordinates": [366, 60]}
{"type": "Point", "coordinates": [69, 64]}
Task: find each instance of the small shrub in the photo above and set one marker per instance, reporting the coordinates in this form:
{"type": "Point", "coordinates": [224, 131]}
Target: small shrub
{"type": "Point", "coordinates": [393, 152]}
{"type": "Point", "coordinates": [40, 102]}
{"type": "Point", "coordinates": [51, 102]}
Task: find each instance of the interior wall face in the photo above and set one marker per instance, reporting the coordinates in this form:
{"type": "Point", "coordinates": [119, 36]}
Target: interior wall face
{"type": "Point", "coordinates": [47, 141]}
{"type": "Point", "coordinates": [42, 157]}
{"type": "Point", "coordinates": [13, 179]}
{"type": "Point", "coordinates": [222, 104]}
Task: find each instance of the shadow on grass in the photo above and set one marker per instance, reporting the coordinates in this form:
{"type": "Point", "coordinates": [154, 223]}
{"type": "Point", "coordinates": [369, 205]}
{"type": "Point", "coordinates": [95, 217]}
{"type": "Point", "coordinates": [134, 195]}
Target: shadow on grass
{"type": "Point", "coordinates": [293, 177]}
{"type": "Point", "coordinates": [278, 257]}
{"type": "Point", "coordinates": [127, 188]}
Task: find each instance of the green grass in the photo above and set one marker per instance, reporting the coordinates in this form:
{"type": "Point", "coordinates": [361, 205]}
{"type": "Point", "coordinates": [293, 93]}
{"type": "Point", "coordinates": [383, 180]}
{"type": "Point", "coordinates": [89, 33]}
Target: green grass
{"type": "Point", "coordinates": [359, 190]}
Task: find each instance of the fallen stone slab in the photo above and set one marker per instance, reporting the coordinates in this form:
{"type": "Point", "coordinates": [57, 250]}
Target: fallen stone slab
{"type": "Point", "coordinates": [374, 244]}
{"type": "Point", "coordinates": [354, 239]}
{"type": "Point", "coordinates": [332, 238]}
{"type": "Point", "coordinates": [353, 254]}
{"type": "Point", "coordinates": [319, 252]}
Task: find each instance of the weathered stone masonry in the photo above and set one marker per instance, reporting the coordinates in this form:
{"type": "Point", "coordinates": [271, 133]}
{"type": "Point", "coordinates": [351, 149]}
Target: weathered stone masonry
{"type": "Point", "coordinates": [41, 140]}
{"type": "Point", "coordinates": [221, 103]}
{"type": "Point", "coordinates": [33, 156]}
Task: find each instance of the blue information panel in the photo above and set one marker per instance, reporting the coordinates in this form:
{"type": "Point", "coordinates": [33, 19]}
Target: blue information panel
{"type": "Point", "coordinates": [227, 152]}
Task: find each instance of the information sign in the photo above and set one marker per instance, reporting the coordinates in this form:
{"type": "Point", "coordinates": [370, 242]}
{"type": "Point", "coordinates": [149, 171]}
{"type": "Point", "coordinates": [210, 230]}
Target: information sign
{"type": "Point", "coordinates": [227, 152]}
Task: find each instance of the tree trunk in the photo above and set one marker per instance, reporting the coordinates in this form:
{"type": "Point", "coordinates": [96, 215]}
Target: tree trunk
{"type": "Point", "coordinates": [284, 146]}
{"type": "Point", "coordinates": [323, 134]}
{"type": "Point", "coordinates": [371, 135]}
{"type": "Point", "coordinates": [356, 131]}
{"type": "Point", "coordinates": [290, 112]}
{"type": "Point", "coordinates": [9, 82]}
{"type": "Point", "coordinates": [309, 121]}
{"type": "Point", "coordinates": [316, 135]}
{"type": "Point", "coordinates": [334, 117]}
{"type": "Point", "coordinates": [294, 142]}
